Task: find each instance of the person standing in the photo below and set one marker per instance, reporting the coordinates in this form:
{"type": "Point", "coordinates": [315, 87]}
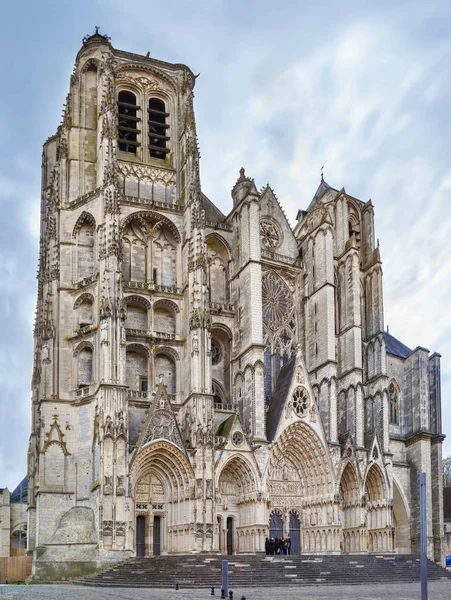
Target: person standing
{"type": "Point", "coordinates": [288, 543]}
{"type": "Point", "coordinates": [282, 546]}
{"type": "Point", "coordinates": [267, 546]}
{"type": "Point", "coordinates": [272, 546]}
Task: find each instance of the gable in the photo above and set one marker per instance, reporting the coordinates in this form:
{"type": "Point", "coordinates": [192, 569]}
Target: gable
{"type": "Point", "coordinates": [272, 213]}
{"type": "Point", "coordinates": [160, 423]}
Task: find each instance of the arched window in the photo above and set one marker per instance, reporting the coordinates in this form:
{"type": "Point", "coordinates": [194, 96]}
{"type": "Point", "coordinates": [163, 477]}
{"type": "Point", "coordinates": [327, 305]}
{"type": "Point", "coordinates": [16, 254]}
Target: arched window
{"type": "Point", "coordinates": [136, 316]}
{"type": "Point", "coordinates": [394, 406]}
{"type": "Point", "coordinates": [165, 372]}
{"type": "Point", "coordinates": [136, 368]}
{"type": "Point", "coordinates": [157, 128]}
{"type": "Point", "coordinates": [268, 373]}
{"type": "Point", "coordinates": [279, 328]}
{"type": "Point", "coordinates": [84, 367]}
{"type": "Point", "coordinates": [128, 122]}
{"type": "Point", "coordinates": [85, 251]}
{"type": "Point", "coordinates": [164, 320]}
{"type": "Point", "coordinates": [85, 313]}
{"type": "Point", "coordinates": [218, 260]}
{"type": "Point", "coordinates": [354, 222]}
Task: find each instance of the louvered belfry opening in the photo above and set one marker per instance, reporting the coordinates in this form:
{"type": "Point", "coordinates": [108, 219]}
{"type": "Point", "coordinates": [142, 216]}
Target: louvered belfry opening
{"type": "Point", "coordinates": [157, 128]}
{"type": "Point", "coordinates": [128, 122]}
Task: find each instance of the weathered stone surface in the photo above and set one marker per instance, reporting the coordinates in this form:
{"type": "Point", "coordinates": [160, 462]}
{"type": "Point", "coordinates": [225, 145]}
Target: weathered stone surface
{"type": "Point", "coordinates": [161, 332]}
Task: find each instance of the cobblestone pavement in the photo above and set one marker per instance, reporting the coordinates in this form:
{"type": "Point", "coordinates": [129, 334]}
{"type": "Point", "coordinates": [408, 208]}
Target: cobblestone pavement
{"type": "Point", "coordinates": [438, 590]}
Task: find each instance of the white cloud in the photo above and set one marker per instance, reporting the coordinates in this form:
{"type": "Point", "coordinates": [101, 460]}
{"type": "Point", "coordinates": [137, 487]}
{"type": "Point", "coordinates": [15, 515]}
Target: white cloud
{"type": "Point", "coordinates": [281, 93]}
{"type": "Point", "coordinates": [364, 105]}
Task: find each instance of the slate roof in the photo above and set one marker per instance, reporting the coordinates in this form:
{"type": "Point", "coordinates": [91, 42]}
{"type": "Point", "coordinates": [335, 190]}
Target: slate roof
{"type": "Point", "coordinates": [395, 347]}
{"type": "Point", "coordinates": [20, 494]}
{"type": "Point", "coordinates": [278, 400]}
{"type": "Point", "coordinates": [322, 189]}
{"type": "Point", "coordinates": [212, 213]}
{"type": "Point", "coordinates": [225, 427]}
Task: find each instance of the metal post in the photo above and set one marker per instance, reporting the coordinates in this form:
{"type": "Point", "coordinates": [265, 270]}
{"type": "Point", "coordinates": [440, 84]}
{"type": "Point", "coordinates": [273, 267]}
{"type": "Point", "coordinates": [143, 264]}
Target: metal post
{"type": "Point", "coordinates": [225, 576]}
{"type": "Point", "coordinates": [423, 539]}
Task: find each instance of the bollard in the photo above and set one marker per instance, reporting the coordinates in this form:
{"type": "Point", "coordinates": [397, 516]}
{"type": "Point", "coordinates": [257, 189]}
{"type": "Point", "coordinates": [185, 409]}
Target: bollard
{"type": "Point", "coordinates": [230, 595]}
{"type": "Point", "coordinates": [222, 594]}
{"type": "Point", "coordinates": [177, 586]}
{"type": "Point", "coordinates": [212, 593]}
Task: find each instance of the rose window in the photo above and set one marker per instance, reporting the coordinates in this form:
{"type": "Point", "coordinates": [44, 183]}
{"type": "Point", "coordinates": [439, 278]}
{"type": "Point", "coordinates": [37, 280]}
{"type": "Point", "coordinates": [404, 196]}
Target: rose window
{"type": "Point", "coordinates": [301, 401]}
{"type": "Point", "coordinates": [216, 352]}
{"type": "Point", "coordinates": [269, 234]}
{"type": "Point", "coordinates": [276, 300]}
{"type": "Point", "coordinates": [237, 438]}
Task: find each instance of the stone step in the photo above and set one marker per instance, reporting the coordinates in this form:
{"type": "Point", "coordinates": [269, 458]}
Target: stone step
{"type": "Point", "coordinates": [260, 571]}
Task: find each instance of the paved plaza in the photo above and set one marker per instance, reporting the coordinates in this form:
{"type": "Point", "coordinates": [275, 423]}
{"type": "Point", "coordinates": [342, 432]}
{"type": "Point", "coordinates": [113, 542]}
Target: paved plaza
{"type": "Point", "coordinates": [438, 590]}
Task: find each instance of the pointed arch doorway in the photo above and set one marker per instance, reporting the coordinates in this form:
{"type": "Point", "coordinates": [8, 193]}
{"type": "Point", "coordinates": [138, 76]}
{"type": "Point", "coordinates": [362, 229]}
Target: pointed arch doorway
{"type": "Point", "coordinates": [162, 489]}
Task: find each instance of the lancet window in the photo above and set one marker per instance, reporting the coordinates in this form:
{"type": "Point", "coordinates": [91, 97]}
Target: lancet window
{"type": "Point", "coordinates": [128, 120]}
{"type": "Point", "coordinates": [84, 360]}
{"type": "Point", "coordinates": [158, 128]}
{"type": "Point", "coordinates": [84, 234]}
{"type": "Point", "coordinates": [394, 406]}
{"type": "Point", "coordinates": [218, 261]}
{"type": "Point", "coordinates": [279, 328]}
{"type": "Point", "coordinates": [145, 136]}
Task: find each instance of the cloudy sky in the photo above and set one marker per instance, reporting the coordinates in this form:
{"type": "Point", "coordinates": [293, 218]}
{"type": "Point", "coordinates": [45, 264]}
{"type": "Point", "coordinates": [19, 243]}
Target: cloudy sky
{"type": "Point", "coordinates": [362, 88]}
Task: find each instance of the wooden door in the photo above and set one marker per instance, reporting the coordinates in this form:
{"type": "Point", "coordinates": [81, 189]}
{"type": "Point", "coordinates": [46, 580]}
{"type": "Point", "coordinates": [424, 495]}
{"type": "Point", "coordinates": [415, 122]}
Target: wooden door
{"type": "Point", "coordinates": [140, 536]}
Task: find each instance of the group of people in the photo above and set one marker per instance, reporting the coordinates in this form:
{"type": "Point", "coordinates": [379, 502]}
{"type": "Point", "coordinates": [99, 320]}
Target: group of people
{"type": "Point", "coordinates": [278, 546]}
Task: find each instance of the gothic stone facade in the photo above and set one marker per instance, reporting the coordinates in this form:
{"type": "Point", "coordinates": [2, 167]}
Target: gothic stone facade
{"type": "Point", "coordinates": [202, 381]}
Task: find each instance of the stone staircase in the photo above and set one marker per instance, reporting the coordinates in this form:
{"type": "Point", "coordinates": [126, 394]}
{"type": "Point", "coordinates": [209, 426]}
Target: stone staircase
{"type": "Point", "coordinates": [204, 571]}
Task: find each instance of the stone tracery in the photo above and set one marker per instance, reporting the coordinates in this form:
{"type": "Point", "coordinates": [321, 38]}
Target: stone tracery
{"type": "Point", "coordinates": [279, 327]}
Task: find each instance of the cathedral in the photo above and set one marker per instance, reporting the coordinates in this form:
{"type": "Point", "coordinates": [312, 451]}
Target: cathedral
{"type": "Point", "coordinates": [203, 381]}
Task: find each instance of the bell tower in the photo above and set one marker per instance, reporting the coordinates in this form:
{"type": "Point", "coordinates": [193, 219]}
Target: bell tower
{"type": "Point", "coordinates": [122, 308]}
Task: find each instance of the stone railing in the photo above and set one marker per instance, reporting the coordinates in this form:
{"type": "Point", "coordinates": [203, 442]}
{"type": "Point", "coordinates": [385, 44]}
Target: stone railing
{"type": "Point", "coordinates": [296, 262]}
{"type": "Point", "coordinates": [84, 391]}
{"type": "Point", "coordinates": [217, 307]}
{"type": "Point", "coordinates": [171, 206]}
{"type": "Point", "coordinates": [223, 406]}
{"type": "Point", "coordinates": [138, 394]}
{"type": "Point", "coordinates": [137, 332]}
{"type": "Point", "coordinates": [162, 335]}
{"type": "Point", "coordinates": [149, 395]}
{"type": "Point", "coordinates": [152, 287]}
{"type": "Point", "coordinates": [223, 226]}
